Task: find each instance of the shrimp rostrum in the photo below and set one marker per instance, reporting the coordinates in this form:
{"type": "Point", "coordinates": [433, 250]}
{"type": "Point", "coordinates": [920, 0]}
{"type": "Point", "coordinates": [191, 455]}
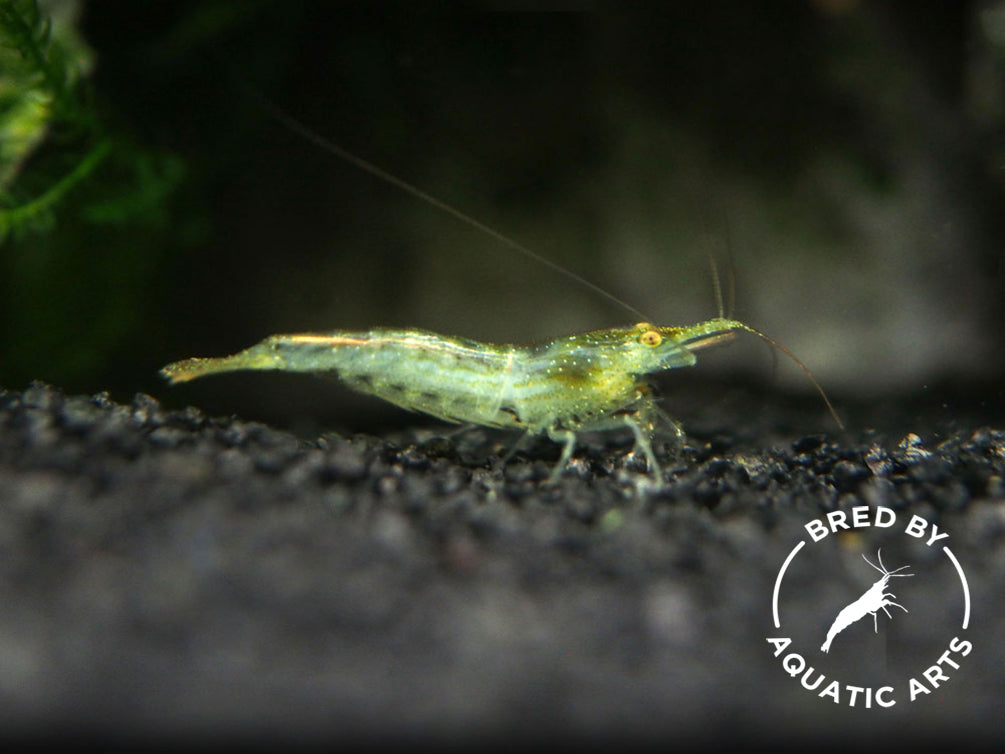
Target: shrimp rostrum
{"type": "Point", "coordinates": [592, 381]}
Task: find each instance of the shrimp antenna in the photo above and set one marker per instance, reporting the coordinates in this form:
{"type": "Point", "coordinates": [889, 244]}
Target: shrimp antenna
{"type": "Point", "coordinates": [717, 287]}
{"type": "Point", "coordinates": [731, 268]}
{"type": "Point", "coordinates": [366, 166]}
{"type": "Point", "coordinates": [795, 359]}
{"type": "Point", "coordinates": [882, 568]}
{"type": "Point", "coordinates": [879, 556]}
{"type": "Point", "coordinates": [724, 304]}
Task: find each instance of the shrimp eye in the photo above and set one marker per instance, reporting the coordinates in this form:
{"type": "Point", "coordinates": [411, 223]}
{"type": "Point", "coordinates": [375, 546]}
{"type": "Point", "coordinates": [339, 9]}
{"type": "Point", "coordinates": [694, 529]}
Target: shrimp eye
{"type": "Point", "coordinates": [651, 338]}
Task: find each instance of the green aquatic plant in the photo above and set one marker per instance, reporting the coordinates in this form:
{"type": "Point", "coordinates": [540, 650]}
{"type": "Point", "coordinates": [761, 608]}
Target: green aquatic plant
{"type": "Point", "coordinates": [44, 102]}
{"type": "Point", "coordinates": [75, 194]}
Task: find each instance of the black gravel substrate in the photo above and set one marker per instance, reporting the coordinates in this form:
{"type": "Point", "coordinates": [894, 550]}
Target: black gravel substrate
{"type": "Point", "coordinates": [169, 576]}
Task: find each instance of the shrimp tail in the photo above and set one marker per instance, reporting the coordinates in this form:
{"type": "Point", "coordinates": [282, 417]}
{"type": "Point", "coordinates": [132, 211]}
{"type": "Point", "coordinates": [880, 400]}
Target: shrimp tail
{"type": "Point", "coordinates": [291, 353]}
{"type": "Point", "coordinates": [850, 614]}
{"type": "Point", "coordinates": [256, 357]}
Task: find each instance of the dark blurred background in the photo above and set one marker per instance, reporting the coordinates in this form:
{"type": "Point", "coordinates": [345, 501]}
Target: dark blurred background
{"type": "Point", "coordinates": [843, 161]}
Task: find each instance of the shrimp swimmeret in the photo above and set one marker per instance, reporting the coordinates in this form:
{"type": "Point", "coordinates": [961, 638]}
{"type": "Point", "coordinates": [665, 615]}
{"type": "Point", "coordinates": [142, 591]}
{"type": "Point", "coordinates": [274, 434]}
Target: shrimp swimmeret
{"type": "Point", "coordinates": [593, 381]}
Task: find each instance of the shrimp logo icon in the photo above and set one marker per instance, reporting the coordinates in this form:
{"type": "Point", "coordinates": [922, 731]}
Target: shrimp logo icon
{"type": "Point", "coordinates": [879, 668]}
{"type": "Point", "coordinates": [876, 598]}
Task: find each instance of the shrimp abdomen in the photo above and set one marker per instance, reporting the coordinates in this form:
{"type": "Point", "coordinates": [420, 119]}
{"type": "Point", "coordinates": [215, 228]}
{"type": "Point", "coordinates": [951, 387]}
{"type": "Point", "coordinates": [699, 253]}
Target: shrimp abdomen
{"type": "Point", "coordinates": [451, 378]}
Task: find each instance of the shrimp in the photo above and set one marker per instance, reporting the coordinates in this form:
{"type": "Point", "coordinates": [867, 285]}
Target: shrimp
{"type": "Point", "coordinates": [592, 381]}
{"type": "Point", "coordinates": [875, 598]}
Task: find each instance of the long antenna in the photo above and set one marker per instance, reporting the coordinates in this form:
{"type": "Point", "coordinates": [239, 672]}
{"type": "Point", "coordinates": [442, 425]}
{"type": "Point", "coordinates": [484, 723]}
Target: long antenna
{"type": "Point", "coordinates": [343, 154]}
{"type": "Point", "coordinates": [731, 262]}
{"type": "Point", "coordinates": [800, 364]}
{"type": "Point", "coordinates": [717, 286]}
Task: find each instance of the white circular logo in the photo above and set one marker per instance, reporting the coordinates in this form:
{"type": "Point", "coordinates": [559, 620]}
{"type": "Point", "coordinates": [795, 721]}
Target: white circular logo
{"type": "Point", "coordinates": [864, 613]}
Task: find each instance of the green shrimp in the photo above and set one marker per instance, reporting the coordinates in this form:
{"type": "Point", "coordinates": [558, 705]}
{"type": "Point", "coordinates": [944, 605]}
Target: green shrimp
{"type": "Point", "coordinates": [592, 381]}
